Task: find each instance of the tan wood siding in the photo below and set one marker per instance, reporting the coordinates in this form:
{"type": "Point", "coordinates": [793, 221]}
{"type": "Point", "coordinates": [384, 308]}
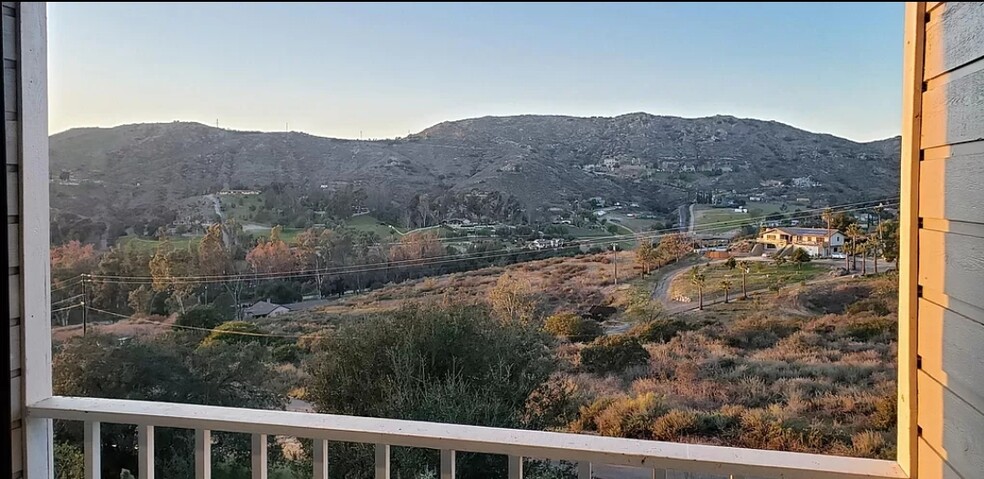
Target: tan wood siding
{"type": "Point", "coordinates": [954, 36]}
{"type": "Point", "coordinates": [949, 244]}
{"type": "Point", "coordinates": [930, 460]}
{"type": "Point", "coordinates": [957, 170]}
{"type": "Point", "coordinates": [950, 351]}
{"type": "Point", "coordinates": [951, 427]}
{"type": "Point", "coordinates": [952, 264]}
{"type": "Point", "coordinates": [953, 109]}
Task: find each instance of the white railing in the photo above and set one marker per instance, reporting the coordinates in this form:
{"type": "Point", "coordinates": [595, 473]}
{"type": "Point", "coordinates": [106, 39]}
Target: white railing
{"type": "Point", "coordinates": [654, 456]}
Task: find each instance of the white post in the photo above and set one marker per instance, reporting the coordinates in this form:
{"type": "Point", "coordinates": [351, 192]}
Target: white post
{"type": "Point", "coordinates": [447, 464]}
{"type": "Point", "coordinates": [145, 452]}
{"type": "Point", "coordinates": [515, 467]}
{"type": "Point", "coordinates": [584, 470]}
{"type": "Point", "coordinates": [259, 455]}
{"type": "Point", "coordinates": [32, 81]}
{"type": "Point", "coordinates": [203, 454]}
{"type": "Point", "coordinates": [93, 451]}
{"type": "Point", "coordinates": [382, 461]}
{"type": "Point", "coordinates": [659, 473]}
{"type": "Point", "coordinates": [320, 459]}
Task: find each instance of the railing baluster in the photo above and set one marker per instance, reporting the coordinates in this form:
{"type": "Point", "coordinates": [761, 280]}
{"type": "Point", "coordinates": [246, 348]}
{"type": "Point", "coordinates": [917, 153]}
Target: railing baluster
{"type": "Point", "coordinates": [93, 450]}
{"type": "Point", "coordinates": [447, 464]}
{"type": "Point", "coordinates": [259, 453]}
{"type": "Point", "coordinates": [515, 467]}
{"type": "Point", "coordinates": [584, 470]}
{"type": "Point", "coordinates": [320, 459]}
{"type": "Point", "coordinates": [145, 452]}
{"type": "Point", "coordinates": [203, 454]}
{"type": "Point", "coordinates": [382, 461]}
{"type": "Point", "coordinates": [659, 473]}
{"type": "Point", "coordinates": [737, 476]}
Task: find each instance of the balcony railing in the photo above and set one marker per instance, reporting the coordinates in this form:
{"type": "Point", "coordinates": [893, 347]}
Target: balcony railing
{"type": "Point", "coordinates": [652, 456]}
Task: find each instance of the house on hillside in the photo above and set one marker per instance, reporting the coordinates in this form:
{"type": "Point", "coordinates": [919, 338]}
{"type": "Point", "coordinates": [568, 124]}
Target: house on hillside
{"type": "Point", "coordinates": [263, 309]}
{"type": "Point", "coordinates": [818, 242]}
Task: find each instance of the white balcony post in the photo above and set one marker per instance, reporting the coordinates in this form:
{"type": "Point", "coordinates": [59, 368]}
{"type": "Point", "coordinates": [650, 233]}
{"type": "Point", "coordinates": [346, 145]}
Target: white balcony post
{"type": "Point", "coordinates": [203, 454]}
{"type": "Point", "coordinates": [93, 450]}
{"type": "Point", "coordinates": [584, 470]}
{"type": "Point", "coordinates": [515, 467]}
{"type": "Point", "coordinates": [737, 476]}
{"type": "Point", "coordinates": [447, 464]}
{"type": "Point", "coordinates": [382, 461]}
{"type": "Point", "coordinates": [259, 456]}
{"type": "Point", "coordinates": [320, 459]}
{"type": "Point", "coordinates": [659, 473]}
{"type": "Point", "coordinates": [31, 40]}
{"type": "Point", "coordinates": [145, 452]}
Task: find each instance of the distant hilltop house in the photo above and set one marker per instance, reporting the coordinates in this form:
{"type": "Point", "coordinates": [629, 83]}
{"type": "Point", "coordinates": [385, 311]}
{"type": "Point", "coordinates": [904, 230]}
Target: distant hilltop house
{"type": "Point", "coordinates": [546, 243]}
{"type": "Point", "coordinates": [239, 192]}
{"type": "Point", "coordinates": [804, 182]}
{"type": "Point", "coordinates": [610, 163]}
{"type": "Point", "coordinates": [818, 242]}
{"type": "Point", "coordinates": [266, 309]}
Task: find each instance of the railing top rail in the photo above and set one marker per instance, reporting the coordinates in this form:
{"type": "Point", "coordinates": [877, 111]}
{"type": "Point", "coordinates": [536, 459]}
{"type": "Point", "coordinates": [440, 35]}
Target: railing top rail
{"type": "Point", "coordinates": [535, 444]}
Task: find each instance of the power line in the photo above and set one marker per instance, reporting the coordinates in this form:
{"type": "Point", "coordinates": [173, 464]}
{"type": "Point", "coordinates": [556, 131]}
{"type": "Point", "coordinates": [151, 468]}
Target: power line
{"type": "Point", "coordinates": [206, 330]}
{"type": "Point", "coordinates": [203, 279]}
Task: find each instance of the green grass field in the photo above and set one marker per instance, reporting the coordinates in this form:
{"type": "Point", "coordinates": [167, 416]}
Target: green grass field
{"type": "Point", "coordinates": [706, 216]}
{"type": "Point", "coordinates": [237, 206]}
{"type": "Point", "coordinates": [369, 223]}
{"type": "Point", "coordinates": [762, 274]}
{"type": "Point", "coordinates": [145, 244]}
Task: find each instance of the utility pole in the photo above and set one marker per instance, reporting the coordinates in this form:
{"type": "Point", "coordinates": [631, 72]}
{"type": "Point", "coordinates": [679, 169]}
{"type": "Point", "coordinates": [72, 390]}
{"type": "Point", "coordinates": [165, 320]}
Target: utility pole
{"type": "Point", "coordinates": [85, 307]}
{"type": "Point", "coordinates": [615, 261]}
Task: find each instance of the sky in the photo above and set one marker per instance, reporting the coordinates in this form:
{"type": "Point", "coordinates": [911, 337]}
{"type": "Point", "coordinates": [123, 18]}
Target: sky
{"type": "Point", "coordinates": [385, 70]}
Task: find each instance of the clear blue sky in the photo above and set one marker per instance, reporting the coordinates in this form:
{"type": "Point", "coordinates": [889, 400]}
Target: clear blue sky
{"type": "Point", "coordinates": [386, 69]}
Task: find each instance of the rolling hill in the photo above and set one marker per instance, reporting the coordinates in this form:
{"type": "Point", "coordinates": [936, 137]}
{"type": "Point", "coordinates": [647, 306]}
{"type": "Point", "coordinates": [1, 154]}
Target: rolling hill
{"type": "Point", "coordinates": [540, 160]}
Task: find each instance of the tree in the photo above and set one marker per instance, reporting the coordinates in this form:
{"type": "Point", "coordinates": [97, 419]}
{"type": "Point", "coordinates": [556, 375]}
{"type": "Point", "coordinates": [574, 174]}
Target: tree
{"type": "Point", "coordinates": [641, 307]}
{"type": "Point", "coordinates": [854, 233]}
{"type": "Point", "coordinates": [828, 217]}
{"type": "Point", "coordinates": [448, 364]}
{"type": "Point", "coordinates": [743, 267]}
{"type": "Point", "coordinates": [697, 278]}
{"type": "Point", "coordinates": [234, 332]}
{"type": "Point", "coordinates": [167, 369]}
{"type": "Point", "coordinates": [726, 286]}
{"type": "Point", "coordinates": [888, 233]}
{"type": "Point", "coordinates": [313, 248]}
{"type": "Point", "coordinates": [875, 242]}
{"type": "Point", "coordinates": [271, 256]}
{"type": "Point", "coordinates": [168, 268]}
{"type": "Point", "coordinates": [646, 256]}
{"type": "Point", "coordinates": [572, 327]}
{"type": "Point", "coordinates": [799, 257]}
{"type": "Point", "coordinates": [213, 258]}
{"type": "Point", "coordinates": [612, 354]}
{"type": "Point", "coordinates": [512, 299]}
{"type": "Point", "coordinates": [673, 246]}
{"type": "Point", "coordinates": [202, 317]}
{"type": "Point", "coordinates": [731, 263]}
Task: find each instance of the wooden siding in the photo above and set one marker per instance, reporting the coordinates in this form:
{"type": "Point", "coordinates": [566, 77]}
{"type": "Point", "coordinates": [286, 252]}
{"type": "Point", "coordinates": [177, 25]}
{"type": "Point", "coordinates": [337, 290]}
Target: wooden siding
{"type": "Point", "coordinates": [947, 240]}
{"type": "Point", "coordinates": [8, 36]}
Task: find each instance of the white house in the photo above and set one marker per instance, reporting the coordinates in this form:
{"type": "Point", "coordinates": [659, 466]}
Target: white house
{"type": "Point", "coordinates": [819, 242]}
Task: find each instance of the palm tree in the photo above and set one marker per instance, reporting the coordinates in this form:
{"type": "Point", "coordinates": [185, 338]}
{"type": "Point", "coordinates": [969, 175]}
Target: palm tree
{"type": "Point", "coordinates": [875, 243]}
{"type": "Point", "coordinates": [697, 278]}
{"type": "Point", "coordinates": [854, 232]}
{"type": "Point", "coordinates": [726, 285]}
{"type": "Point", "coordinates": [828, 216]}
{"type": "Point", "coordinates": [865, 248]}
{"type": "Point", "coordinates": [743, 267]}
